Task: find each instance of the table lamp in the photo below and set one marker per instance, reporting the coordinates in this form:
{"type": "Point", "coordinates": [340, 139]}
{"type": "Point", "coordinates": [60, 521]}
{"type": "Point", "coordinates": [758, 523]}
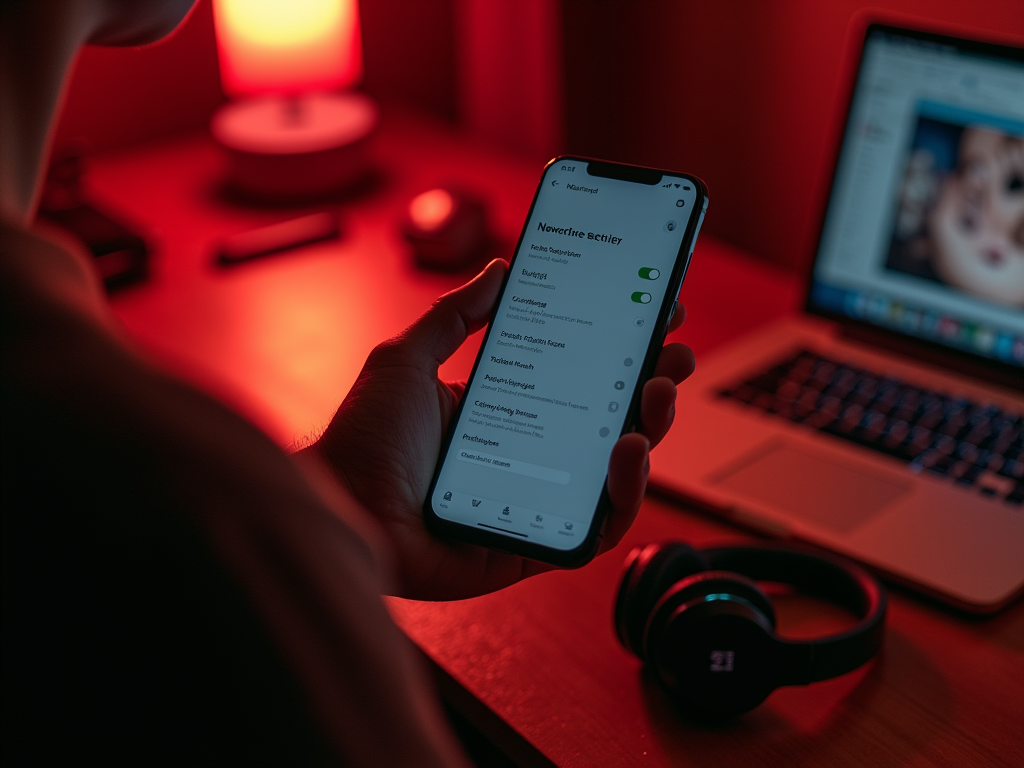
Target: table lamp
{"type": "Point", "coordinates": [291, 129]}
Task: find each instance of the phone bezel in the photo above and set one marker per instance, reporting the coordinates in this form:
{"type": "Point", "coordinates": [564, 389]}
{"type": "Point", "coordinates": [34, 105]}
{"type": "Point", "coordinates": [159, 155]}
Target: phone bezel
{"type": "Point", "coordinates": [587, 549]}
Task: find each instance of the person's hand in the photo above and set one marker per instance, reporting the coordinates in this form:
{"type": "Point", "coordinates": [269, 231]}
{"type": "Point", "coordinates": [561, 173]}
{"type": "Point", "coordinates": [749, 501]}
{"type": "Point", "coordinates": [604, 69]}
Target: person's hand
{"type": "Point", "coordinates": [385, 439]}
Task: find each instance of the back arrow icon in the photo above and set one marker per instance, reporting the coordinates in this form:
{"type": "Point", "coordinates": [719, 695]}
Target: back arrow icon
{"type": "Point", "coordinates": [554, 183]}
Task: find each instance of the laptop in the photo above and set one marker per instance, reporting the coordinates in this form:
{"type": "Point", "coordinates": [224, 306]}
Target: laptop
{"type": "Point", "coordinates": [886, 420]}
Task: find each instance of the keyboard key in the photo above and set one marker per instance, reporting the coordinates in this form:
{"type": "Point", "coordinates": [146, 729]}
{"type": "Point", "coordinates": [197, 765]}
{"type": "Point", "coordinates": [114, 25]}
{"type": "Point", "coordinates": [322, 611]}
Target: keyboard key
{"type": "Point", "coordinates": [788, 390]}
{"type": "Point", "coordinates": [1000, 486]}
{"type": "Point", "coordinates": [897, 433]}
{"type": "Point", "coordinates": [967, 452]}
{"type": "Point", "coordinates": [1012, 468]}
{"type": "Point", "coordinates": [874, 426]}
{"type": "Point", "coordinates": [969, 475]}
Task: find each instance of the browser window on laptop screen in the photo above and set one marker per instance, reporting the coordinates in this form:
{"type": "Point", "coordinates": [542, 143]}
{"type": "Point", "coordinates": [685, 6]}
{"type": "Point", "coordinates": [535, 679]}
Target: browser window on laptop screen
{"type": "Point", "coordinates": [924, 234]}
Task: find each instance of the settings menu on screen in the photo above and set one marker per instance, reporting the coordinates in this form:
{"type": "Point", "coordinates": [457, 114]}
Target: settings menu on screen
{"type": "Point", "coordinates": [529, 454]}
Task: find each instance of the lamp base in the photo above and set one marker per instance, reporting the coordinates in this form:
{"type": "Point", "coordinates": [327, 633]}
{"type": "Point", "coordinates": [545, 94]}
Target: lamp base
{"type": "Point", "coordinates": [296, 147]}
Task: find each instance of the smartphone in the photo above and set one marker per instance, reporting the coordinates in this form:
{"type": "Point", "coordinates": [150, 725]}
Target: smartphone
{"type": "Point", "coordinates": [583, 313]}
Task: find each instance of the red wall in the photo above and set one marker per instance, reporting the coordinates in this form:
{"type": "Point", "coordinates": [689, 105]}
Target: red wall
{"type": "Point", "coordinates": [744, 93]}
{"type": "Point", "coordinates": [122, 95]}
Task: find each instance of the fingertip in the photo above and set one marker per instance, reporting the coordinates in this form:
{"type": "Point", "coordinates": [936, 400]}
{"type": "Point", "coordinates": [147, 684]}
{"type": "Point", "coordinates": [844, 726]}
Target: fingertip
{"type": "Point", "coordinates": [678, 318]}
{"type": "Point", "coordinates": [487, 283]}
{"type": "Point", "coordinates": [676, 362]}
{"type": "Point", "coordinates": [628, 457]}
{"type": "Point", "coordinates": [631, 449]}
{"type": "Point", "coordinates": [494, 267]}
{"type": "Point", "coordinates": [627, 480]}
{"type": "Point", "coordinates": [657, 408]}
{"type": "Point", "coordinates": [454, 316]}
{"type": "Point", "coordinates": [638, 442]}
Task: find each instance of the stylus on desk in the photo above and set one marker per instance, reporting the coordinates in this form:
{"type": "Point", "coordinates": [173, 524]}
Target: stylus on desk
{"type": "Point", "coordinates": [278, 238]}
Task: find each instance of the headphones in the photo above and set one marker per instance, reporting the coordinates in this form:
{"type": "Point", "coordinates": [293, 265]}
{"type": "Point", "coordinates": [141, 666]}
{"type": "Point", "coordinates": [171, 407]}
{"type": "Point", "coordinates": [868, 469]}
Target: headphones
{"type": "Point", "coordinates": [707, 631]}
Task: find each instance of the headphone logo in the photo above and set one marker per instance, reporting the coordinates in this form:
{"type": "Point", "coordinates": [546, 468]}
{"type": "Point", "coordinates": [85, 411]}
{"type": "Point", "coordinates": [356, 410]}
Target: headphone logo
{"type": "Point", "coordinates": [721, 661]}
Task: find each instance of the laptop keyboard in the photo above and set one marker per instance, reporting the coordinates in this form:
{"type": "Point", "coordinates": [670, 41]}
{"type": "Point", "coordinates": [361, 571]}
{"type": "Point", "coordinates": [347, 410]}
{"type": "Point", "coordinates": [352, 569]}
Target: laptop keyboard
{"type": "Point", "coordinates": [970, 444]}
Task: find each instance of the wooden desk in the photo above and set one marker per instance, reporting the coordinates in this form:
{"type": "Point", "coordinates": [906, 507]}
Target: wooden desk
{"type": "Point", "coordinates": [536, 667]}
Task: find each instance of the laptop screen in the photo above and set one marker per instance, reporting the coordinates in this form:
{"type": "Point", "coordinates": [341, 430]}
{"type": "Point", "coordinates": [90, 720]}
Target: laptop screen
{"type": "Point", "coordinates": [924, 230]}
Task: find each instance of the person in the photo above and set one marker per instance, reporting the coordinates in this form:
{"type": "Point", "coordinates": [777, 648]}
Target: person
{"type": "Point", "coordinates": [177, 589]}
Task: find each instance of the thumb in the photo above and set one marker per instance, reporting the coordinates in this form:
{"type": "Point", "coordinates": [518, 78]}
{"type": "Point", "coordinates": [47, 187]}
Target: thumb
{"type": "Point", "coordinates": [454, 316]}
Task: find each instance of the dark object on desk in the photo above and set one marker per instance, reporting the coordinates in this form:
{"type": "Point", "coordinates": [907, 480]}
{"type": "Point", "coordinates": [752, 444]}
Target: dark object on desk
{"type": "Point", "coordinates": [447, 229]}
{"type": "Point", "coordinates": [707, 631]}
{"type": "Point", "coordinates": [121, 255]}
{"type": "Point", "coordinates": [277, 238]}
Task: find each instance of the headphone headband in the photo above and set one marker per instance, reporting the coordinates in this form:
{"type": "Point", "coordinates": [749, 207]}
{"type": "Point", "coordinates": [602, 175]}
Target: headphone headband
{"type": "Point", "coordinates": [824, 575]}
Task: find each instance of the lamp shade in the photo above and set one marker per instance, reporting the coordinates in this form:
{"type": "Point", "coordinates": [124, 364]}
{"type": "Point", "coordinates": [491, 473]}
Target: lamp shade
{"type": "Point", "coordinates": [287, 46]}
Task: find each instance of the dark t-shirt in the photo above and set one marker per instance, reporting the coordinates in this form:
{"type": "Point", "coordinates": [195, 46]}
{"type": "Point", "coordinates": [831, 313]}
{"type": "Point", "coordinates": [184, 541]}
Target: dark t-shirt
{"type": "Point", "coordinates": [125, 640]}
{"type": "Point", "coordinates": [176, 590]}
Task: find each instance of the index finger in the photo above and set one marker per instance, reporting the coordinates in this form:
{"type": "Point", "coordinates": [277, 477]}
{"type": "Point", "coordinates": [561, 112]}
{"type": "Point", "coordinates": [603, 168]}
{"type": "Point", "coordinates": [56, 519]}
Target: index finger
{"type": "Point", "coordinates": [678, 318]}
{"type": "Point", "coordinates": [442, 329]}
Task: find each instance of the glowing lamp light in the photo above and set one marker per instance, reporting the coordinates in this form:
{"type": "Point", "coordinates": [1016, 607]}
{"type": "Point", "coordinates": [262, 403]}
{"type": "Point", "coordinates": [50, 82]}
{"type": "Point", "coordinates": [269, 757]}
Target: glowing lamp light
{"type": "Point", "coordinates": [269, 46]}
{"type": "Point", "coordinates": [290, 131]}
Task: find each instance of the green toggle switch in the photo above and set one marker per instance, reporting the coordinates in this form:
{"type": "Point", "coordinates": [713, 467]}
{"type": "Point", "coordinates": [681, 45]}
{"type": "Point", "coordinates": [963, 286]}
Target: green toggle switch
{"type": "Point", "coordinates": [640, 297]}
{"type": "Point", "coordinates": [649, 273]}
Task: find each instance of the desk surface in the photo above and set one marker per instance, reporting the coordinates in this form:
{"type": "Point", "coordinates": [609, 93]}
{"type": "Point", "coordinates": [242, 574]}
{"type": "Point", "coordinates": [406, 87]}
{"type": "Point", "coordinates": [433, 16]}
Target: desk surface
{"type": "Point", "coordinates": [535, 667]}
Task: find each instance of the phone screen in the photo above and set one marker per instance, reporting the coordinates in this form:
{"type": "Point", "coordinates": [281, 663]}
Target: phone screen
{"type": "Point", "coordinates": [552, 388]}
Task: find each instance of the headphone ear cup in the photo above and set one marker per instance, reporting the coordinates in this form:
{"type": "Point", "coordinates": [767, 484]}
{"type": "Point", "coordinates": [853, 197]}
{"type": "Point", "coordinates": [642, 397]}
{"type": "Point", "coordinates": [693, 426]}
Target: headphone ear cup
{"type": "Point", "coordinates": [702, 585]}
{"type": "Point", "coordinates": [649, 571]}
{"type": "Point", "coordinates": [721, 605]}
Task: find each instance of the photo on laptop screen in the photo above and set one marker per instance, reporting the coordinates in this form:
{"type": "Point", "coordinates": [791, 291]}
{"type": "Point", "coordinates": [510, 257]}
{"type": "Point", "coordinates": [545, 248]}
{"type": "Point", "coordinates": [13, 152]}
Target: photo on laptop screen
{"type": "Point", "coordinates": [960, 221]}
{"type": "Point", "coordinates": [924, 235]}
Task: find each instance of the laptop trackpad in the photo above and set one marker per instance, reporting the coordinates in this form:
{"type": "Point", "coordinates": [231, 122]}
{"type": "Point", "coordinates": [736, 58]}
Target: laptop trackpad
{"type": "Point", "coordinates": [814, 488]}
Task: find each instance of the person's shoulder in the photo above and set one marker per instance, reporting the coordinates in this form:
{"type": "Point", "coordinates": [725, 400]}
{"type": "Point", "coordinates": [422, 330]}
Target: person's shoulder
{"type": "Point", "coordinates": [43, 267]}
{"type": "Point", "coordinates": [54, 313]}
